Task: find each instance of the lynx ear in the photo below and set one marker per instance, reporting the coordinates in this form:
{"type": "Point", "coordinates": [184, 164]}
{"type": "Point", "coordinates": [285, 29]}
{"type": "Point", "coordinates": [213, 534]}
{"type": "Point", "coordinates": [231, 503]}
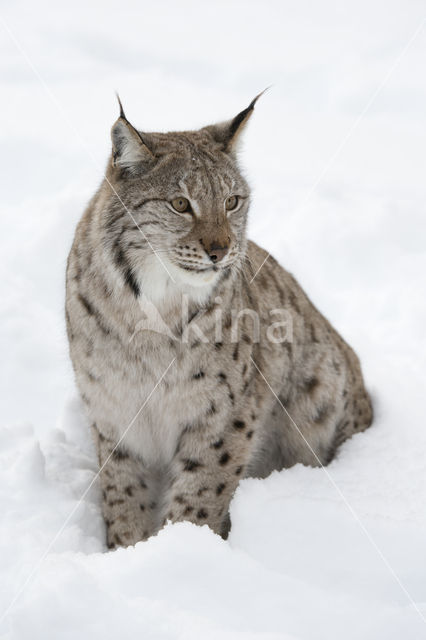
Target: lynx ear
{"type": "Point", "coordinates": [128, 146]}
{"type": "Point", "coordinates": [228, 133]}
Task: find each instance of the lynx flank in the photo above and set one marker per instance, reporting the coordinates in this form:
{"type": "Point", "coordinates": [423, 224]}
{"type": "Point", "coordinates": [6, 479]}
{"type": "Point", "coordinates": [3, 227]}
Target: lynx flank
{"type": "Point", "coordinates": [173, 343]}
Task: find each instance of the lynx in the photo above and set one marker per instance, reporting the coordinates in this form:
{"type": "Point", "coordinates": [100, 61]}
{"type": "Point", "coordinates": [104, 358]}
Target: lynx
{"type": "Point", "coordinates": [180, 416]}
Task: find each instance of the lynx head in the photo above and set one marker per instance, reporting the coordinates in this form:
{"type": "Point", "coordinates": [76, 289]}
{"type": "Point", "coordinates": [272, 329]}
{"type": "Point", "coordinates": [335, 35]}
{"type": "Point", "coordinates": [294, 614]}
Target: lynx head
{"type": "Point", "coordinates": [176, 210]}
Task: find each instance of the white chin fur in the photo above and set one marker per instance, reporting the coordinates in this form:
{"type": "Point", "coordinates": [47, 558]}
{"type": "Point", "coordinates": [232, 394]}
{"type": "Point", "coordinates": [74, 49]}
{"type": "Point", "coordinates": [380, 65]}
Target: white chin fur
{"type": "Point", "coordinates": [192, 278]}
{"type": "Point", "coordinates": [164, 282]}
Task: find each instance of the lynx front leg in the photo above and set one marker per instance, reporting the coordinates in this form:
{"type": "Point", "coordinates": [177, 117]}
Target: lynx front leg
{"type": "Point", "coordinates": [127, 507]}
{"type": "Point", "coordinates": [206, 477]}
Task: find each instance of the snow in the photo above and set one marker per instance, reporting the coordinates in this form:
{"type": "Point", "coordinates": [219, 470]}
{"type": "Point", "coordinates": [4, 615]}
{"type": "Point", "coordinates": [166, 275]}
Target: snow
{"type": "Point", "coordinates": [338, 199]}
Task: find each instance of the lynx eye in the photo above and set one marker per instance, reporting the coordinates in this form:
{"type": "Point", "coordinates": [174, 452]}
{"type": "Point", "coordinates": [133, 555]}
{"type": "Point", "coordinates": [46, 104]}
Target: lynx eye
{"type": "Point", "coordinates": [231, 203]}
{"type": "Point", "coordinates": [181, 205]}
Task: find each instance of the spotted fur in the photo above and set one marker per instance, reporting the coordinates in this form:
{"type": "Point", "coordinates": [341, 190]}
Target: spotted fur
{"type": "Point", "coordinates": [177, 449]}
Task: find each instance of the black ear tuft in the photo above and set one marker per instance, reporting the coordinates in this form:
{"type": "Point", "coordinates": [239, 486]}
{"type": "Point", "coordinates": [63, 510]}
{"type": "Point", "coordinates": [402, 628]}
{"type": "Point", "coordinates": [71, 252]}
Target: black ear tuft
{"type": "Point", "coordinates": [122, 114]}
{"type": "Point", "coordinates": [227, 133]}
{"type": "Point", "coordinates": [128, 146]}
{"type": "Point", "coordinates": [244, 115]}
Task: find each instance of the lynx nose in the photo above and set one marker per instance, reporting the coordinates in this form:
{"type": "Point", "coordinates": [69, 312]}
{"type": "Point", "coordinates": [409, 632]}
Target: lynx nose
{"type": "Point", "coordinates": [216, 252]}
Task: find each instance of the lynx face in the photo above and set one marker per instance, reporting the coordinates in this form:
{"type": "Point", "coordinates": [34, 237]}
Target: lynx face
{"type": "Point", "coordinates": [186, 205]}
